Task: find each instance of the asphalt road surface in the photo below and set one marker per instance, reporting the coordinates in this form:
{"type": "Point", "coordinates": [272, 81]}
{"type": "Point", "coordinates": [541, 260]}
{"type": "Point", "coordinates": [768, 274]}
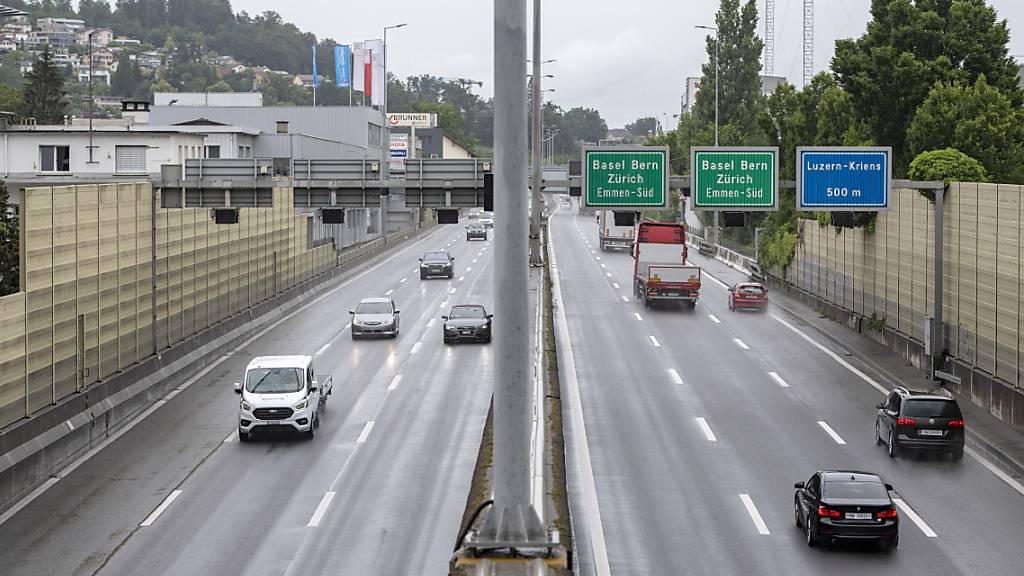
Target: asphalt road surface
{"type": "Point", "coordinates": [379, 490]}
{"type": "Point", "coordinates": [699, 422]}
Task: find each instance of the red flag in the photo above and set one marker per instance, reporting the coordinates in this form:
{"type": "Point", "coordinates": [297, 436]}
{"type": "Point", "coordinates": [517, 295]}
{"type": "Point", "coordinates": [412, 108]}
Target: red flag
{"type": "Point", "coordinates": [368, 74]}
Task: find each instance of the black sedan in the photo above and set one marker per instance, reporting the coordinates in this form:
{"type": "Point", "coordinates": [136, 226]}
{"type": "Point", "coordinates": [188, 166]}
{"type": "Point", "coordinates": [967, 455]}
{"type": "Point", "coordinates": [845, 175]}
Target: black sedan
{"type": "Point", "coordinates": [467, 322]}
{"type": "Point", "coordinates": [476, 231]}
{"type": "Point", "coordinates": [846, 505]}
{"type": "Point", "coordinates": [437, 263]}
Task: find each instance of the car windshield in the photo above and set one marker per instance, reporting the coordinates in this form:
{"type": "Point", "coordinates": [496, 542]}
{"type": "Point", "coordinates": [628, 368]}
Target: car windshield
{"type": "Point", "coordinates": [273, 380]}
{"type": "Point", "coordinates": [931, 409]}
{"type": "Point", "coordinates": [751, 289]}
{"type": "Point", "coordinates": [373, 308]}
{"type": "Point", "coordinates": [845, 490]}
{"type": "Point", "coordinates": [467, 312]}
{"type": "Point", "coordinates": [435, 257]}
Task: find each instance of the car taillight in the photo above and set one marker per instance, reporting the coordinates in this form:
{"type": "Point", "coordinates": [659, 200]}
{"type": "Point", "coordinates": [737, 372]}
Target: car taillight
{"type": "Point", "coordinates": [958, 423]}
{"type": "Point", "coordinates": [826, 512]}
{"type": "Point", "coordinates": [890, 513]}
{"type": "Point", "coordinates": [905, 422]}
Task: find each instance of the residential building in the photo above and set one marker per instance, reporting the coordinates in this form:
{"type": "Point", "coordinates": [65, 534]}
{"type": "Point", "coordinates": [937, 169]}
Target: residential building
{"type": "Point", "coordinates": [8, 44]}
{"type": "Point", "coordinates": [768, 85]}
{"type": "Point", "coordinates": [99, 75]}
{"type": "Point", "coordinates": [434, 143]}
{"type": "Point", "coordinates": [125, 41]}
{"type": "Point", "coordinates": [54, 38]}
{"type": "Point", "coordinates": [100, 36]}
{"type": "Point", "coordinates": [102, 58]}
{"type": "Point", "coordinates": [72, 24]}
{"type": "Point", "coordinates": [306, 80]}
{"type": "Point", "coordinates": [149, 60]}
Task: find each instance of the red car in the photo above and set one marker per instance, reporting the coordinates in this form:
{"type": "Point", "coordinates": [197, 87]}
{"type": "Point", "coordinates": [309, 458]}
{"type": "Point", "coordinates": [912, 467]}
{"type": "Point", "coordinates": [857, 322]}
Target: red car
{"type": "Point", "coordinates": [751, 295]}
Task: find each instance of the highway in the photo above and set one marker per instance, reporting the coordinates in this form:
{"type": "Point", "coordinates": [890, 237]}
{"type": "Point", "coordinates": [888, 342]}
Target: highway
{"type": "Point", "coordinates": [698, 424]}
{"type": "Point", "coordinates": [380, 490]}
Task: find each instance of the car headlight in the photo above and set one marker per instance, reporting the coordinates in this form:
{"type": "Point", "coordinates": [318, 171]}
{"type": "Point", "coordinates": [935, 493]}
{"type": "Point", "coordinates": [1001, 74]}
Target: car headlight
{"type": "Point", "coordinates": [246, 406]}
{"type": "Point", "coordinates": [302, 404]}
{"type": "Point", "coordinates": [486, 325]}
{"type": "Point", "coordinates": [356, 322]}
{"type": "Point", "coordinates": [448, 328]}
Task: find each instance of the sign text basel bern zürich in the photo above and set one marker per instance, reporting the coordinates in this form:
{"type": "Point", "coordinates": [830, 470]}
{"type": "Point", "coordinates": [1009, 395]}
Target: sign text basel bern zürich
{"type": "Point", "coordinates": [625, 177]}
{"type": "Point", "coordinates": [742, 179]}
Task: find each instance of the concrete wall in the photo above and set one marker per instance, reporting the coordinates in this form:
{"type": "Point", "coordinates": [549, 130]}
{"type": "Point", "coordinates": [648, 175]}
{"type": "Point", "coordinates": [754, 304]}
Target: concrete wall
{"type": "Point", "coordinates": [98, 296]}
{"type": "Point", "coordinates": [887, 275]}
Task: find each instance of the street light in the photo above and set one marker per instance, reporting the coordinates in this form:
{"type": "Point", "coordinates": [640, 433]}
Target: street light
{"type": "Point", "coordinates": [715, 228]}
{"type": "Point", "coordinates": [552, 61]}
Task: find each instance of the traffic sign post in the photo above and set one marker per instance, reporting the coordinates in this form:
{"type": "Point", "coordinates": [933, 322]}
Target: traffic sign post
{"type": "Point", "coordinates": [856, 179]}
{"type": "Point", "coordinates": [735, 179]}
{"type": "Point", "coordinates": [625, 177]}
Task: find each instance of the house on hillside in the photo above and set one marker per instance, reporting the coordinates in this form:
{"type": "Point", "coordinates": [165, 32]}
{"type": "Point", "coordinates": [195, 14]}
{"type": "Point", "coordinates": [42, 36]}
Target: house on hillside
{"type": "Point", "coordinates": [125, 41]}
{"type": "Point", "coordinates": [100, 36]}
{"type": "Point", "coordinates": [306, 80]}
{"type": "Point", "coordinates": [102, 58]}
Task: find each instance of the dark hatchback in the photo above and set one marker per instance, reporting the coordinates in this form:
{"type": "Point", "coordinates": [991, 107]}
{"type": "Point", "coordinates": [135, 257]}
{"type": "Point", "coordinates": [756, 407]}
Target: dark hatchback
{"type": "Point", "coordinates": [846, 505]}
{"type": "Point", "coordinates": [920, 421]}
{"type": "Point", "coordinates": [476, 231]}
{"type": "Point", "coordinates": [437, 263]}
{"type": "Point", "coordinates": [467, 323]}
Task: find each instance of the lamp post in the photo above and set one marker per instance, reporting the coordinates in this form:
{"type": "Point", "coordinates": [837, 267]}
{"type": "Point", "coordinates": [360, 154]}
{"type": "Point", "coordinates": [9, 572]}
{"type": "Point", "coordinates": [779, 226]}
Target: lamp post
{"type": "Point", "coordinates": [536, 144]}
{"type": "Point", "coordinates": [385, 145]}
{"type": "Point", "coordinates": [715, 30]}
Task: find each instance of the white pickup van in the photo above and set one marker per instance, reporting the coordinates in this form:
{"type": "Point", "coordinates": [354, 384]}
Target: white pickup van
{"type": "Point", "coordinates": [281, 393]}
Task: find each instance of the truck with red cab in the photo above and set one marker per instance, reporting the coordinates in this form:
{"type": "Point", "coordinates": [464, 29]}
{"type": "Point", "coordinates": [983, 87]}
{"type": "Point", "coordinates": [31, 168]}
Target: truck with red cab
{"type": "Point", "coordinates": [660, 271]}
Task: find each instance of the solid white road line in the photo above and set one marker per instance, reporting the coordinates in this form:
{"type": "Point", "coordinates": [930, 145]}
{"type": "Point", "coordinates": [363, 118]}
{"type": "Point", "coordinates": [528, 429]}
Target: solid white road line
{"type": "Point", "coordinates": [999, 473]}
{"type": "Point", "coordinates": [778, 379]}
{"type": "Point", "coordinates": [331, 341]}
{"type": "Point", "coordinates": [394, 382]}
{"type": "Point", "coordinates": [365, 433]}
{"type": "Point", "coordinates": [707, 430]}
{"type": "Point", "coordinates": [828, 430]}
{"type": "Point", "coordinates": [415, 348]}
{"type": "Point", "coordinates": [321, 510]}
{"type": "Point", "coordinates": [676, 378]}
{"type": "Point", "coordinates": [714, 319]}
{"type": "Point", "coordinates": [389, 293]}
{"type": "Point", "coordinates": [160, 509]}
{"type": "Point", "coordinates": [909, 512]}
{"type": "Point", "coordinates": [625, 299]}
{"type": "Point", "coordinates": [233, 436]}
{"type": "Point", "coordinates": [762, 528]}
{"type": "Point", "coordinates": [833, 355]}
{"type": "Point", "coordinates": [655, 342]}
{"type": "Point", "coordinates": [741, 343]}
{"type": "Point", "coordinates": [638, 316]}
{"type": "Point", "coordinates": [705, 274]}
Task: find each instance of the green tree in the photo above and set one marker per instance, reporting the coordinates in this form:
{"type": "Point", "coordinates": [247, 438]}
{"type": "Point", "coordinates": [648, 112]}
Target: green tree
{"type": "Point", "coordinates": [948, 165]}
{"type": "Point", "coordinates": [978, 120]}
{"type": "Point", "coordinates": [124, 81]}
{"type": "Point", "coordinates": [643, 126]}
{"type": "Point", "coordinates": [10, 70]}
{"type": "Point", "coordinates": [11, 100]}
{"type": "Point", "coordinates": [10, 259]}
{"type": "Point", "coordinates": [911, 45]}
{"type": "Point", "coordinates": [585, 124]}
{"type": "Point", "coordinates": [44, 94]}
{"type": "Point", "coordinates": [739, 72]}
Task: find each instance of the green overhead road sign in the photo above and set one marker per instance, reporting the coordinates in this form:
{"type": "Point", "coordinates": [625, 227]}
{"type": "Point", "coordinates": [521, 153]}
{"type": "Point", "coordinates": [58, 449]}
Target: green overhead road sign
{"type": "Point", "coordinates": [735, 179]}
{"type": "Point", "coordinates": [625, 177]}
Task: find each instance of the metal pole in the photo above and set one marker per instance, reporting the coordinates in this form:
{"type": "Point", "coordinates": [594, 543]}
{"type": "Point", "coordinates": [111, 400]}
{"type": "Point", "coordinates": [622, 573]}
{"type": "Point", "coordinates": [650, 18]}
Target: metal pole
{"type": "Point", "coordinates": [537, 160]}
{"type": "Point", "coordinates": [512, 389]}
{"type": "Point", "coordinates": [91, 161]}
{"type": "Point", "coordinates": [715, 238]}
{"type": "Point", "coordinates": [937, 329]}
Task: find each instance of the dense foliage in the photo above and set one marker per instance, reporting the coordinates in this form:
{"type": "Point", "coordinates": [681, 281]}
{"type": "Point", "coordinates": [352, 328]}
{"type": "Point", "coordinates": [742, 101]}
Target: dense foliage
{"type": "Point", "coordinates": [10, 259]}
{"type": "Point", "coordinates": [948, 165]}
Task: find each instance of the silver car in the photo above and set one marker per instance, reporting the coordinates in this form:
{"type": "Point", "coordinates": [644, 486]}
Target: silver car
{"type": "Point", "coordinates": [375, 317]}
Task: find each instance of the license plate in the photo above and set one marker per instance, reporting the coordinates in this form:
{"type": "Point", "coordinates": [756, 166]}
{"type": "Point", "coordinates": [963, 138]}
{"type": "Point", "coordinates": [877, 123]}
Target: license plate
{"type": "Point", "coordinates": [858, 515]}
{"type": "Point", "coordinates": [930, 432]}
{"type": "Point", "coordinates": [465, 332]}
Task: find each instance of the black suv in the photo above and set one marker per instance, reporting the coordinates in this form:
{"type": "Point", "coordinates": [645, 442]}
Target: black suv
{"type": "Point", "coordinates": [437, 263]}
{"type": "Point", "coordinates": [846, 505]}
{"type": "Point", "coordinates": [921, 421]}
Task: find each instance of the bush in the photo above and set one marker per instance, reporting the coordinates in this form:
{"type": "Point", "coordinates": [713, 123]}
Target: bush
{"type": "Point", "coordinates": [949, 165]}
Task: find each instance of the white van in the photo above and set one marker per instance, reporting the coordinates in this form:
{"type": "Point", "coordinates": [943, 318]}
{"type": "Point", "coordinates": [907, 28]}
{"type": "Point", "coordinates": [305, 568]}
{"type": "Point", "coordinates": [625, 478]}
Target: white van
{"type": "Point", "coordinates": [281, 393]}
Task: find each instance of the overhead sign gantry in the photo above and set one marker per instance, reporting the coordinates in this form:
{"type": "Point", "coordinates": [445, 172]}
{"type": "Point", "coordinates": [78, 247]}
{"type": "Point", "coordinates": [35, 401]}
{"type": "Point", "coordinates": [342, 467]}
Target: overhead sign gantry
{"type": "Point", "coordinates": [625, 177]}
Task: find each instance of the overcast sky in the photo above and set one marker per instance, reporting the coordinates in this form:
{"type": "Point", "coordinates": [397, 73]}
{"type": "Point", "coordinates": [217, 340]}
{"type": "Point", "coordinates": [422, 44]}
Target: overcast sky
{"type": "Point", "coordinates": [628, 59]}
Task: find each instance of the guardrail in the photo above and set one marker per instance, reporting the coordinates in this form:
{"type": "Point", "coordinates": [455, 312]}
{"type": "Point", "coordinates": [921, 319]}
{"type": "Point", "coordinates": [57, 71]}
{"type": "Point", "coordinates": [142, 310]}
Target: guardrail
{"type": "Point", "coordinates": [719, 252]}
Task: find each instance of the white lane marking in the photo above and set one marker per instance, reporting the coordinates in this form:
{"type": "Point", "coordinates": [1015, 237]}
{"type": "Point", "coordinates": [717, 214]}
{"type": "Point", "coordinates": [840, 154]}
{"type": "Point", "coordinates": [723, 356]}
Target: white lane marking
{"type": "Point", "coordinates": [603, 265]}
{"type": "Point", "coordinates": [762, 528]}
{"type": "Point", "coordinates": [638, 316]}
{"type": "Point", "coordinates": [321, 509]}
{"type": "Point", "coordinates": [233, 436]}
{"type": "Point", "coordinates": [160, 509]}
{"type": "Point", "coordinates": [707, 430]}
{"type": "Point", "coordinates": [608, 274]}
{"type": "Point", "coordinates": [452, 291]}
{"type": "Point", "coordinates": [999, 473]}
{"type": "Point", "coordinates": [714, 319]}
{"type": "Point", "coordinates": [402, 281]}
{"type": "Point", "coordinates": [828, 430]}
{"type": "Point", "coordinates": [625, 299]}
{"type": "Point", "coordinates": [741, 343]}
{"type": "Point", "coordinates": [394, 382]}
{"type": "Point", "coordinates": [389, 292]}
{"type": "Point", "coordinates": [365, 433]}
{"type": "Point", "coordinates": [593, 529]}
{"type": "Point", "coordinates": [597, 257]}
{"type": "Point", "coordinates": [415, 348]}
{"type": "Point", "coordinates": [834, 356]}
{"type": "Point", "coordinates": [676, 378]}
{"type": "Point", "coordinates": [169, 395]}
{"type": "Point", "coordinates": [474, 260]}
{"type": "Point", "coordinates": [915, 518]}
{"type": "Point", "coordinates": [431, 322]}
{"type": "Point", "coordinates": [778, 379]}
{"type": "Point", "coordinates": [461, 278]}
{"type": "Point", "coordinates": [655, 342]}
{"type": "Point", "coordinates": [331, 341]}
{"type": "Point", "coordinates": [71, 427]}
{"type": "Point", "coordinates": [443, 304]}
{"type": "Point", "coordinates": [615, 285]}
{"type": "Point", "coordinates": [469, 269]}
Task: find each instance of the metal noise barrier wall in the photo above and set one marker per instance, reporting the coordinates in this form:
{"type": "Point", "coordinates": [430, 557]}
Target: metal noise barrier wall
{"type": "Point", "coordinates": [888, 274]}
{"type": "Point", "coordinates": [93, 285]}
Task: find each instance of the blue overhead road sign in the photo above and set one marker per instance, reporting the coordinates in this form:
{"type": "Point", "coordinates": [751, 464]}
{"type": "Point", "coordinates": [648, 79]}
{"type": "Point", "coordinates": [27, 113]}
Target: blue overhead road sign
{"type": "Point", "coordinates": [843, 179]}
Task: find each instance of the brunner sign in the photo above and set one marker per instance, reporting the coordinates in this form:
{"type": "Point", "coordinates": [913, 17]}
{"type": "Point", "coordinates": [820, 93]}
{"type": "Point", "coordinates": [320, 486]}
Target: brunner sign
{"type": "Point", "coordinates": [741, 179]}
{"type": "Point", "coordinates": [625, 177]}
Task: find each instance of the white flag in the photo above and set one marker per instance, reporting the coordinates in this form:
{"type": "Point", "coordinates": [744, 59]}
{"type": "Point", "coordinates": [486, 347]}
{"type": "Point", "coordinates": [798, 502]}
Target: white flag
{"type": "Point", "coordinates": [358, 58]}
{"type": "Point", "coordinates": [376, 49]}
